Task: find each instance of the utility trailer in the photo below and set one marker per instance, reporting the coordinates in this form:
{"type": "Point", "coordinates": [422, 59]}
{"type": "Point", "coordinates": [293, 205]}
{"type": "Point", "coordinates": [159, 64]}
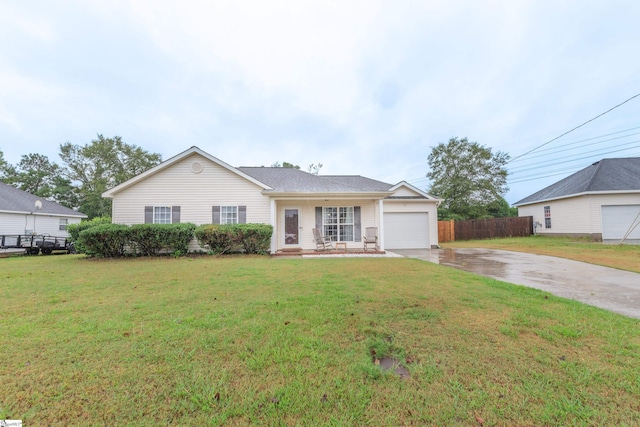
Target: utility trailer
{"type": "Point", "coordinates": [33, 244]}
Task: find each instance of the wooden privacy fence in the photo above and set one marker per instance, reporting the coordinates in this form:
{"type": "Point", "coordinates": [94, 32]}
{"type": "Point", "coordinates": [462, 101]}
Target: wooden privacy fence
{"type": "Point", "coordinates": [485, 228]}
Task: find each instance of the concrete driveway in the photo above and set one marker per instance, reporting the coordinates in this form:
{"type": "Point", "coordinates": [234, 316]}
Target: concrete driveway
{"type": "Point", "coordinates": [604, 287]}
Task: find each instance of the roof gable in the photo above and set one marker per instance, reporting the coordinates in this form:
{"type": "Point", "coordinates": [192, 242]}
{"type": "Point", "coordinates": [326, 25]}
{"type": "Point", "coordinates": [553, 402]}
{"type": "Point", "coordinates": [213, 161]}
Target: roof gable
{"type": "Point", "coordinates": [18, 201]}
{"type": "Point", "coordinates": [175, 159]}
{"type": "Point", "coordinates": [607, 175]}
{"type": "Point", "coordinates": [404, 190]}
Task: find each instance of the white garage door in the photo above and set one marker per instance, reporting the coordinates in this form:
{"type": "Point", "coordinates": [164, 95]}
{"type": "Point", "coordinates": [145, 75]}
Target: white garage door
{"type": "Point", "coordinates": [406, 230]}
{"type": "Point", "coordinates": [616, 221]}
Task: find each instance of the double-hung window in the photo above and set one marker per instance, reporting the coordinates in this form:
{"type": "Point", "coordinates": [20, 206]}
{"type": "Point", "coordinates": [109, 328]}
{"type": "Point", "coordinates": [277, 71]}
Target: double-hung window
{"type": "Point", "coordinates": [547, 217]}
{"type": "Point", "coordinates": [338, 222]}
{"type": "Point", "coordinates": [63, 224]}
{"type": "Point", "coordinates": [228, 214]}
{"type": "Point", "coordinates": [162, 214]}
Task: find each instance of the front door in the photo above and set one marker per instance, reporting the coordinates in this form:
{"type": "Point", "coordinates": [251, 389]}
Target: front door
{"type": "Point", "coordinates": [291, 229]}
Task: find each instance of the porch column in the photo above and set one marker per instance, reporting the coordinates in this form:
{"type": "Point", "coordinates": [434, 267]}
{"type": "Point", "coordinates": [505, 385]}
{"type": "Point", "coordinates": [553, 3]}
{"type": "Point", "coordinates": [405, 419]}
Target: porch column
{"type": "Point", "coordinates": [273, 224]}
{"type": "Point", "coordinates": [381, 225]}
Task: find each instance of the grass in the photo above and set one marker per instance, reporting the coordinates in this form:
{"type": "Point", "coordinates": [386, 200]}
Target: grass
{"type": "Point", "coordinates": [624, 257]}
{"type": "Point", "coordinates": [259, 341]}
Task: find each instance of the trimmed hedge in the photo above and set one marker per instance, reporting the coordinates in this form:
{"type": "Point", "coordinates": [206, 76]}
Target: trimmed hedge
{"type": "Point", "coordinates": [104, 240]}
{"type": "Point", "coordinates": [247, 238]}
{"type": "Point", "coordinates": [74, 230]}
{"type": "Point", "coordinates": [116, 240]}
{"type": "Point", "coordinates": [151, 239]}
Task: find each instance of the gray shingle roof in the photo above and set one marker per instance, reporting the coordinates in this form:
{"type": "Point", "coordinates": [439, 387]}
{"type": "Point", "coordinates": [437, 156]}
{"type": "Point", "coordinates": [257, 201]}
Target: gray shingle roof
{"type": "Point", "coordinates": [605, 175]}
{"type": "Point", "coordinates": [14, 200]}
{"type": "Point", "coordinates": [295, 180]}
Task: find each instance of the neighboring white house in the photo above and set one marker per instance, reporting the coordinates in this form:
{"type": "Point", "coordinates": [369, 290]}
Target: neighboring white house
{"type": "Point", "coordinates": [196, 187]}
{"type": "Point", "coordinates": [24, 213]}
{"type": "Point", "coordinates": [601, 201]}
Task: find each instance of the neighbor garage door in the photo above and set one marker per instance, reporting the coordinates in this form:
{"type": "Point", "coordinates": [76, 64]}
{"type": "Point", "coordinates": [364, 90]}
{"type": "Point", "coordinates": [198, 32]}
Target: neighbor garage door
{"type": "Point", "coordinates": [407, 230]}
{"type": "Point", "coordinates": [616, 221]}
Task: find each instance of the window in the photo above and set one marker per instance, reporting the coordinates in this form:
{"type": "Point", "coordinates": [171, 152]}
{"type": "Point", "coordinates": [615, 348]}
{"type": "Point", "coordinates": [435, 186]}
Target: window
{"type": "Point", "coordinates": [547, 217]}
{"type": "Point", "coordinates": [63, 224]}
{"type": "Point", "coordinates": [228, 214]}
{"type": "Point", "coordinates": [337, 223]}
{"type": "Point", "coordinates": [162, 215]}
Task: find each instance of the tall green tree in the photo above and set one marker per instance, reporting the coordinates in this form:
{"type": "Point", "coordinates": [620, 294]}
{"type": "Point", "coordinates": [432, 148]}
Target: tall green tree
{"type": "Point", "coordinates": [468, 176]}
{"type": "Point", "coordinates": [5, 168]}
{"type": "Point", "coordinates": [34, 174]}
{"type": "Point", "coordinates": [37, 175]}
{"type": "Point", "coordinates": [100, 165]}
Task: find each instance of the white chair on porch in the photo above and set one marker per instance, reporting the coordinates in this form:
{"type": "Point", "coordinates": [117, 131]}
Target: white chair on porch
{"type": "Point", "coordinates": [322, 242]}
{"type": "Point", "coordinates": [371, 238]}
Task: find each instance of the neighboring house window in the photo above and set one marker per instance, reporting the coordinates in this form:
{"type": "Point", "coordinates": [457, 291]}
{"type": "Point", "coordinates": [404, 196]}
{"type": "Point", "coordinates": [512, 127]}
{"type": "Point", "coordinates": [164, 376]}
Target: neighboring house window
{"type": "Point", "coordinates": [228, 214]}
{"type": "Point", "coordinates": [547, 217]}
{"type": "Point", "coordinates": [63, 224]}
{"type": "Point", "coordinates": [162, 215]}
{"type": "Point", "coordinates": [337, 223]}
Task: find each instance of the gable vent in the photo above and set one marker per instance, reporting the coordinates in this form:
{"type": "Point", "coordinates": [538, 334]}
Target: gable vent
{"type": "Point", "coordinates": [196, 167]}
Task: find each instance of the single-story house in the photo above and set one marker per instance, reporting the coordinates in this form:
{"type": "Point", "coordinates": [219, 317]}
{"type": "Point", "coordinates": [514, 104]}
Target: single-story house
{"type": "Point", "coordinates": [601, 201]}
{"type": "Point", "coordinates": [196, 187]}
{"type": "Point", "coordinates": [24, 213]}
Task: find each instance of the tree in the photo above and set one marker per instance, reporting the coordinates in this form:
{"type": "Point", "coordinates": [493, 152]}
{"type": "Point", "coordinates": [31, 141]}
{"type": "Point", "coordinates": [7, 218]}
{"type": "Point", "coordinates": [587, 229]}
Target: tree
{"type": "Point", "coordinates": [5, 168]}
{"type": "Point", "coordinates": [34, 174]}
{"type": "Point", "coordinates": [468, 176]}
{"type": "Point", "coordinates": [100, 165]}
{"type": "Point", "coordinates": [285, 165]}
{"type": "Point", "coordinates": [500, 209]}
{"type": "Point", "coordinates": [314, 168]}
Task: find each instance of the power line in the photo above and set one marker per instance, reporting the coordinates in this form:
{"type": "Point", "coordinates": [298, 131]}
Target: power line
{"type": "Point", "coordinates": [562, 148]}
{"type": "Point", "coordinates": [524, 168]}
{"type": "Point", "coordinates": [577, 127]}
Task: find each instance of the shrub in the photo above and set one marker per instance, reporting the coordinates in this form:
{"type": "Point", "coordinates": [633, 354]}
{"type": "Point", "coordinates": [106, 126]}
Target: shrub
{"type": "Point", "coordinates": [74, 230]}
{"type": "Point", "coordinates": [105, 240]}
{"type": "Point", "coordinates": [151, 239]}
{"type": "Point", "coordinates": [255, 238]}
{"type": "Point", "coordinates": [222, 239]}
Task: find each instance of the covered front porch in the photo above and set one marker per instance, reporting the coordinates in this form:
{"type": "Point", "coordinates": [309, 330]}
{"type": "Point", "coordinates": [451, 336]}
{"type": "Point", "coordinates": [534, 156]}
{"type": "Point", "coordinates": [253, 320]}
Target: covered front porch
{"type": "Point", "coordinates": [343, 221]}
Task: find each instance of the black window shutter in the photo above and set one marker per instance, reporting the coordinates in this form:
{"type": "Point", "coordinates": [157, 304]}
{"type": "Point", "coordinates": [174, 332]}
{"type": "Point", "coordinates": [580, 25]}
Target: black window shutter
{"type": "Point", "coordinates": [319, 218]}
{"type": "Point", "coordinates": [148, 214]}
{"type": "Point", "coordinates": [242, 214]}
{"type": "Point", "coordinates": [175, 214]}
{"type": "Point", "coordinates": [216, 215]}
{"type": "Point", "coordinates": [357, 226]}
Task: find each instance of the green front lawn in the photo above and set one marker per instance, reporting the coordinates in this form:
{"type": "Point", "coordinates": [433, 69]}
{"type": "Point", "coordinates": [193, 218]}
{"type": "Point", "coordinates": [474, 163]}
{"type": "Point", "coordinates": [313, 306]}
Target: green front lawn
{"type": "Point", "coordinates": [253, 340]}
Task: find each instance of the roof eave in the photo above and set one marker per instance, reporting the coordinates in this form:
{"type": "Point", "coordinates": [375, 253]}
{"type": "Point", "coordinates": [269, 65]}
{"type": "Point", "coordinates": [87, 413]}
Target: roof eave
{"type": "Point", "coordinates": [584, 193]}
{"type": "Point", "coordinates": [310, 195]}
{"type": "Point", "coordinates": [40, 213]}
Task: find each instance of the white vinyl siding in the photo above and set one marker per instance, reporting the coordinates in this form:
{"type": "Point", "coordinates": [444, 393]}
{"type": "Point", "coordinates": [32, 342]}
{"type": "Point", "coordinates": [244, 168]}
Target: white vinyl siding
{"type": "Point", "coordinates": [581, 215]}
{"type": "Point", "coordinates": [11, 223]}
{"type": "Point", "coordinates": [195, 193]}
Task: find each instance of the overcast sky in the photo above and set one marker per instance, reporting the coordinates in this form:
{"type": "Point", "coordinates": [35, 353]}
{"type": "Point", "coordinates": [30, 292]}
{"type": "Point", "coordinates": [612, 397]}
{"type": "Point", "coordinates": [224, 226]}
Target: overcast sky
{"type": "Point", "coordinates": [363, 87]}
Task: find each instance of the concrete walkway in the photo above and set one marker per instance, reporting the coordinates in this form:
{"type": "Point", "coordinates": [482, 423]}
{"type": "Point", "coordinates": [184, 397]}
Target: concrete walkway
{"type": "Point", "coordinates": [604, 287]}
